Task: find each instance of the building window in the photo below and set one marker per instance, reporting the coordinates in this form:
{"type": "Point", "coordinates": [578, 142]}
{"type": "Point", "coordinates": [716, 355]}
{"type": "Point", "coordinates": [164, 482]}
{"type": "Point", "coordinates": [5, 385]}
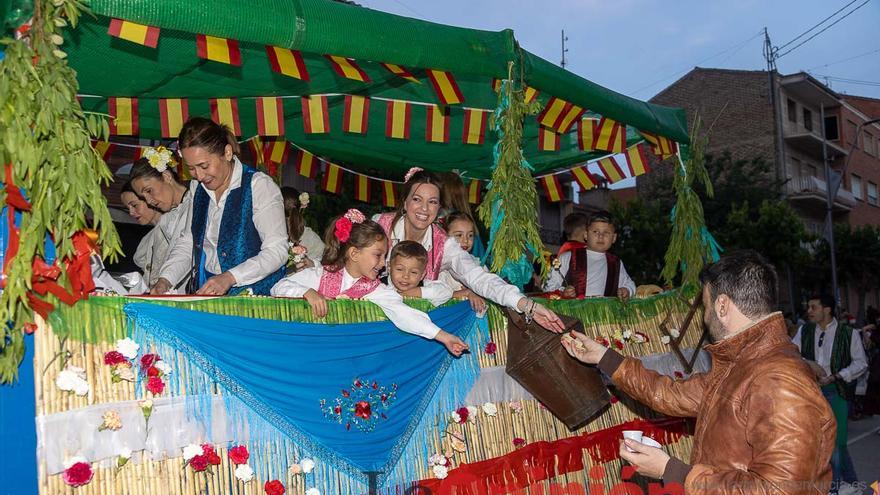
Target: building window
{"type": "Point", "coordinates": [792, 111]}
{"type": "Point", "coordinates": [808, 120]}
{"type": "Point", "coordinates": [852, 128]}
{"type": "Point", "coordinates": [869, 144]}
{"type": "Point", "coordinates": [831, 131]}
{"type": "Point", "coordinates": [855, 186]}
{"type": "Point", "coordinates": [872, 193]}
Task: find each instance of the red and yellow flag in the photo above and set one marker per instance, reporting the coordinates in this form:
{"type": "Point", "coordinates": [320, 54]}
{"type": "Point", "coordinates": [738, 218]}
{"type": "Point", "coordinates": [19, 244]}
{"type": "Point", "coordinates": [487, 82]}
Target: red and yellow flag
{"type": "Point", "coordinates": [173, 112]}
{"type": "Point", "coordinates": [270, 116]}
{"type": "Point", "coordinates": [437, 125]}
{"type": "Point", "coordinates": [224, 111]}
{"type": "Point", "coordinates": [332, 181]}
{"type": "Point", "coordinates": [397, 117]}
{"type": "Point", "coordinates": [496, 84]}
{"type": "Point", "coordinates": [218, 49]}
{"type": "Point", "coordinates": [531, 94]}
{"type": "Point", "coordinates": [560, 115]}
{"type": "Point", "coordinates": [611, 169]}
{"type": "Point", "coordinates": [661, 146]}
{"type": "Point", "coordinates": [475, 125]}
{"type": "Point", "coordinates": [362, 188]}
{"type": "Point", "coordinates": [584, 178]}
{"type": "Point", "coordinates": [548, 140]}
{"type": "Point", "coordinates": [276, 151]}
{"type": "Point", "coordinates": [552, 188]}
{"type": "Point", "coordinates": [287, 62]}
{"type": "Point", "coordinates": [103, 148]}
{"type": "Point", "coordinates": [389, 194]}
{"type": "Point", "coordinates": [307, 164]}
{"type": "Point", "coordinates": [347, 68]}
{"type": "Point", "coordinates": [355, 113]}
{"type": "Point", "coordinates": [255, 145]}
{"type": "Point", "coordinates": [586, 134]}
{"type": "Point", "coordinates": [637, 161]}
{"type": "Point", "coordinates": [475, 191]}
{"type": "Point", "coordinates": [137, 154]}
{"type": "Point", "coordinates": [401, 72]}
{"type": "Point", "coordinates": [316, 117]}
{"type": "Point", "coordinates": [134, 32]}
{"type": "Point", "coordinates": [445, 86]}
{"type": "Point", "coordinates": [609, 135]}
{"type": "Point", "coordinates": [124, 116]}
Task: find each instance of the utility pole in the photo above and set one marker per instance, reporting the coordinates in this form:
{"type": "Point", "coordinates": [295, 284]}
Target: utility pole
{"type": "Point", "coordinates": [564, 49]}
{"type": "Point", "coordinates": [832, 182]}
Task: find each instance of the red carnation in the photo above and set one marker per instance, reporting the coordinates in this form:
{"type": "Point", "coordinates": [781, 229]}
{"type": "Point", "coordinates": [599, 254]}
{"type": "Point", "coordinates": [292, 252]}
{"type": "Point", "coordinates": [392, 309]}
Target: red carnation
{"type": "Point", "coordinates": [239, 454]}
{"type": "Point", "coordinates": [153, 371]}
{"type": "Point", "coordinates": [619, 344]}
{"type": "Point", "coordinates": [343, 229]}
{"type": "Point", "coordinates": [463, 414]}
{"type": "Point", "coordinates": [78, 474]}
{"type": "Point", "coordinates": [519, 442]}
{"type": "Point", "coordinates": [614, 399]}
{"type": "Point", "coordinates": [491, 348]}
{"type": "Point", "coordinates": [274, 487]}
{"type": "Point", "coordinates": [148, 360]}
{"type": "Point", "coordinates": [679, 374]}
{"type": "Point", "coordinates": [604, 342]}
{"type": "Point", "coordinates": [199, 463]}
{"type": "Point", "coordinates": [210, 454]}
{"type": "Point", "coordinates": [155, 385]}
{"type": "Point", "coordinates": [113, 358]}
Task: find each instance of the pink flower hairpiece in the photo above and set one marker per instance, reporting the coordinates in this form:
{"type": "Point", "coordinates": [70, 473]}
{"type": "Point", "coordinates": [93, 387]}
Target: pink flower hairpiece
{"type": "Point", "coordinates": [342, 227]}
{"type": "Point", "coordinates": [411, 172]}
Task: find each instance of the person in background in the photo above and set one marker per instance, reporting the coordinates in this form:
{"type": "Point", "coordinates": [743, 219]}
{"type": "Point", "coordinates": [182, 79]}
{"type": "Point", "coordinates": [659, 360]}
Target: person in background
{"type": "Point", "coordinates": [461, 227]}
{"type": "Point", "coordinates": [300, 234]}
{"type": "Point", "coordinates": [153, 248]}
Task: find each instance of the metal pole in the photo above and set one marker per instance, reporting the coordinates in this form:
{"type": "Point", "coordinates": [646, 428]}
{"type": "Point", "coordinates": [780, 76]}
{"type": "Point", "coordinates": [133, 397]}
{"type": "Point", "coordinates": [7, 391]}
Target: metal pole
{"type": "Point", "coordinates": [829, 218]}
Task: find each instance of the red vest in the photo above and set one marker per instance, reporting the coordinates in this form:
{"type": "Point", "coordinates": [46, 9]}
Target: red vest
{"type": "Point", "coordinates": [577, 272]}
{"type": "Point", "coordinates": [331, 285]}
{"type": "Point", "coordinates": [435, 255]}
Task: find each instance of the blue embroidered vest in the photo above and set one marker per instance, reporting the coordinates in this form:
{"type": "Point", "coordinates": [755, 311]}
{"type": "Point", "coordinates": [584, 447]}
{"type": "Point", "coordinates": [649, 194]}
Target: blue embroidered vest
{"type": "Point", "coordinates": [239, 239]}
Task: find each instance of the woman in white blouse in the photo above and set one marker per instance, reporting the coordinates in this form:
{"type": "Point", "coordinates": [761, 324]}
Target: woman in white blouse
{"type": "Point", "coordinates": [153, 248]}
{"type": "Point", "coordinates": [235, 238]}
{"type": "Point", "coordinates": [414, 220]}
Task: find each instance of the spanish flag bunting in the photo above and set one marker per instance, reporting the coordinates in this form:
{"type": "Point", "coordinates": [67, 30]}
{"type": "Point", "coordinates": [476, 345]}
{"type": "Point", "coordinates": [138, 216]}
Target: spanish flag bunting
{"type": "Point", "coordinates": [660, 146]}
{"type": "Point", "coordinates": [255, 145]}
{"type": "Point", "coordinates": [586, 134]}
{"type": "Point", "coordinates": [124, 116]}
{"type": "Point", "coordinates": [611, 169]}
{"type": "Point", "coordinates": [354, 115]}
{"type": "Point", "coordinates": [609, 135]}
{"type": "Point", "coordinates": [362, 188]}
{"type": "Point", "coordinates": [103, 148]}
{"type": "Point", "coordinates": [496, 84]}
{"type": "Point", "coordinates": [134, 32]}
{"type": "Point", "coordinates": [637, 161]}
{"type": "Point", "coordinates": [287, 62]}
{"type": "Point", "coordinates": [437, 125]}
{"type": "Point", "coordinates": [218, 49]}
{"type": "Point", "coordinates": [560, 115]}
{"type": "Point", "coordinates": [548, 140]}
{"type": "Point", "coordinates": [276, 151]}
{"type": "Point", "coordinates": [531, 94]}
{"type": "Point", "coordinates": [475, 191]}
{"type": "Point", "coordinates": [584, 178]}
{"type": "Point", "coordinates": [137, 154]}
{"type": "Point", "coordinates": [401, 72]}
{"type": "Point", "coordinates": [316, 117]}
{"type": "Point", "coordinates": [173, 112]}
{"type": "Point", "coordinates": [224, 111]}
{"type": "Point", "coordinates": [307, 164]}
{"type": "Point", "coordinates": [445, 86]}
{"type": "Point", "coordinates": [552, 188]}
{"type": "Point", "coordinates": [474, 125]}
{"type": "Point", "coordinates": [332, 181]}
{"type": "Point", "coordinates": [270, 116]}
{"type": "Point", "coordinates": [397, 119]}
{"type": "Point", "coordinates": [389, 194]}
{"type": "Point", "coordinates": [347, 68]}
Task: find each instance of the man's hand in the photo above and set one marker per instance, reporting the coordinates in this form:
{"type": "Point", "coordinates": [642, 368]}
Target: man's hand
{"type": "Point", "coordinates": [217, 285]}
{"type": "Point", "coordinates": [569, 292]}
{"type": "Point", "coordinates": [623, 293]}
{"type": "Point", "coordinates": [825, 380]}
{"type": "Point", "coordinates": [161, 286]}
{"type": "Point", "coordinates": [817, 370]}
{"type": "Point", "coordinates": [648, 461]}
{"type": "Point", "coordinates": [583, 348]}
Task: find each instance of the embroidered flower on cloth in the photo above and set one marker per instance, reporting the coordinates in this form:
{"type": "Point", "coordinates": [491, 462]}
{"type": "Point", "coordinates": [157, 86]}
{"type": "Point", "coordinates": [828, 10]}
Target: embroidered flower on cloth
{"type": "Point", "coordinates": [77, 472]}
{"type": "Point", "coordinates": [362, 406]}
{"type": "Point", "coordinates": [160, 158]}
{"type": "Point", "coordinates": [412, 171]}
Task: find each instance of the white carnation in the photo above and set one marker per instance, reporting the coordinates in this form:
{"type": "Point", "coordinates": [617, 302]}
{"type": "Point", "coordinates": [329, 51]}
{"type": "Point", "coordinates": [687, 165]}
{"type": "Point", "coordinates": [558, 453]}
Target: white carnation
{"type": "Point", "coordinates": [307, 465]}
{"type": "Point", "coordinates": [440, 472]}
{"type": "Point", "coordinates": [627, 334]}
{"type": "Point", "coordinates": [456, 417]}
{"type": "Point", "coordinates": [313, 491]}
{"type": "Point", "coordinates": [244, 473]}
{"type": "Point", "coordinates": [127, 348]}
{"type": "Point", "coordinates": [490, 409]}
{"type": "Point", "coordinates": [437, 459]}
{"type": "Point", "coordinates": [191, 451]}
{"type": "Point", "coordinates": [674, 333]}
{"type": "Point", "coordinates": [472, 413]}
{"type": "Point", "coordinates": [82, 388]}
{"type": "Point", "coordinates": [164, 367]}
{"type": "Point", "coordinates": [664, 339]}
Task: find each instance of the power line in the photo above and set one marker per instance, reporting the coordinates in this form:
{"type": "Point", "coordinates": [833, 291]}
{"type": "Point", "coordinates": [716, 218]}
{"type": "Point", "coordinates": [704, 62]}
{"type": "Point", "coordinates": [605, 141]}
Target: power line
{"type": "Point", "coordinates": [849, 81]}
{"type": "Point", "coordinates": [823, 29]}
{"type": "Point", "coordinates": [846, 59]}
{"type": "Point", "coordinates": [817, 25]}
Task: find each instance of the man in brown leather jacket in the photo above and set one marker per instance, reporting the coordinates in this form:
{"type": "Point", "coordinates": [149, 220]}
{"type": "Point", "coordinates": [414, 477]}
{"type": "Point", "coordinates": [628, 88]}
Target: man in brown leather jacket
{"type": "Point", "coordinates": [762, 423]}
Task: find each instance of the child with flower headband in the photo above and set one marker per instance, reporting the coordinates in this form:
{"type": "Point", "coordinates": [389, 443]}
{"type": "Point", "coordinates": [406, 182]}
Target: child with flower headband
{"type": "Point", "coordinates": [353, 259]}
{"type": "Point", "coordinates": [305, 246]}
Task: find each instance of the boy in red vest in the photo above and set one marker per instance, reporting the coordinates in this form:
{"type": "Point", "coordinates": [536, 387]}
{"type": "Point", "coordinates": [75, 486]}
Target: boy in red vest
{"type": "Point", "coordinates": [588, 269]}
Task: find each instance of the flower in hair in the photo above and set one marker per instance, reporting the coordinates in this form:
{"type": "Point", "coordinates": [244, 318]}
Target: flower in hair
{"type": "Point", "coordinates": [342, 227]}
{"type": "Point", "coordinates": [411, 172]}
{"type": "Point", "coordinates": [303, 200]}
{"type": "Point", "coordinates": [160, 158]}
{"type": "Point", "coordinates": [355, 215]}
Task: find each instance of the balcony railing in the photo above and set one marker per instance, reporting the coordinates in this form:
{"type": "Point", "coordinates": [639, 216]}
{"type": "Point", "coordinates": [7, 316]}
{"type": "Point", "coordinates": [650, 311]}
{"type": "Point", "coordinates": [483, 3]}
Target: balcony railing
{"type": "Point", "coordinates": [812, 188]}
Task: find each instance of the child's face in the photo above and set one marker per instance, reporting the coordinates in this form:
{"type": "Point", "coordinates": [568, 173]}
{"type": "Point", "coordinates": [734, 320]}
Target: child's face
{"type": "Point", "coordinates": [463, 231]}
{"type": "Point", "coordinates": [600, 236]}
{"type": "Point", "coordinates": [406, 273]}
{"type": "Point", "coordinates": [368, 261]}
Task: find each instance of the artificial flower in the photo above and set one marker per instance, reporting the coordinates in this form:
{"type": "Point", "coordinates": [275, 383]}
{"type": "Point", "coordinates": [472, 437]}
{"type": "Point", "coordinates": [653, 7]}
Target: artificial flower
{"type": "Point", "coordinates": [244, 473]}
{"type": "Point", "coordinates": [146, 406]}
{"type": "Point", "coordinates": [303, 200]}
{"type": "Point", "coordinates": [491, 348]}
{"type": "Point", "coordinates": [313, 491]}
{"type": "Point", "coordinates": [127, 348]}
{"type": "Point", "coordinates": [472, 413]}
{"type": "Point", "coordinates": [153, 371]}
{"type": "Point", "coordinates": [77, 472]}
{"type": "Point", "coordinates": [163, 367]}
{"type": "Point", "coordinates": [678, 374]}
{"type": "Point", "coordinates": [73, 379]}
{"type": "Point", "coordinates": [112, 421]}
{"type": "Point", "coordinates": [113, 358]}
{"type": "Point", "coordinates": [665, 339]}
{"type": "Point", "coordinates": [199, 463]}
{"type": "Point", "coordinates": [342, 229]}
{"type": "Point", "coordinates": [516, 406]}
{"type": "Point", "coordinates": [159, 158]}
{"type": "Point", "coordinates": [490, 409]}
{"type": "Point", "coordinates": [455, 417]}
{"type": "Point", "coordinates": [412, 171]}
{"type": "Point", "coordinates": [191, 451]}
{"type": "Point", "coordinates": [458, 444]}
{"type": "Point", "coordinates": [355, 215]}
{"type": "Point", "coordinates": [274, 487]}
{"type": "Point", "coordinates": [604, 341]}
{"type": "Point", "coordinates": [296, 469]}
{"type": "Point", "coordinates": [627, 334]}
{"type": "Point", "coordinates": [556, 263]}
{"type": "Point", "coordinates": [123, 457]}
{"type": "Point", "coordinates": [155, 385]}
{"type": "Point", "coordinates": [148, 360]}
{"type": "Point", "coordinates": [437, 460]}
{"type": "Point", "coordinates": [440, 472]}
{"type": "Point", "coordinates": [640, 337]}
{"type": "Point", "coordinates": [674, 333]}
{"type": "Point", "coordinates": [307, 465]}
{"type": "Point", "coordinates": [210, 454]}
{"type": "Point", "coordinates": [618, 344]}
{"type": "Point", "coordinates": [519, 442]}
{"type": "Point", "coordinates": [614, 399]}
{"type": "Point", "coordinates": [239, 454]}
{"type": "Point", "coordinates": [463, 414]}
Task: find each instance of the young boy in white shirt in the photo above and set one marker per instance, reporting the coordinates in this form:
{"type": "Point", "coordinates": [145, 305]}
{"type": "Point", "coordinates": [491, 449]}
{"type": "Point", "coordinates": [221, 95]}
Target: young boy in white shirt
{"type": "Point", "coordinates": [406, 273]}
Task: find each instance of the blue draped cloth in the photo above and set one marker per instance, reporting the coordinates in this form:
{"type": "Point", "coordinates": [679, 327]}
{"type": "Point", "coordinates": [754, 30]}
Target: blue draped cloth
{"type": "Point", "coordinates": [281, 371]}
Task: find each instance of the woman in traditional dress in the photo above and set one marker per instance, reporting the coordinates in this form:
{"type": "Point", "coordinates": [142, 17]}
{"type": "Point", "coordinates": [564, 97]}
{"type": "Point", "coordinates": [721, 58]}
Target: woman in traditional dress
{"type": "Point", "coordinates": [153, 248]}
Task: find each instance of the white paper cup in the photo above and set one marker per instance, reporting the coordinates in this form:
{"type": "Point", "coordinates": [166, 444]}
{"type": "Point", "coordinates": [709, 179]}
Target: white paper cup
{"type": "Point", "coordinates": [635, 435]}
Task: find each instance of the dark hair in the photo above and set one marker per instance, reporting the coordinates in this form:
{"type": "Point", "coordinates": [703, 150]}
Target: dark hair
{"type": "Point", "coordinates": [456, 216]}
{"type": "Point", "coordinates": [418, 178]}
{"type": "Point", "coordinates": [410, 249]}
{"type": "Point", "coordinates": [126, 188]}
{"type": "Point", "coordinates": [746, 278]}
{"type": "Point", "coordinates": [207, 134]}
{"type": "Point", "coordinates": [572, 222]}
{"type": "Point", "coordinates": [362, 235]}
{"type": "Point", "coordinates": [453, 193]}
{"type": "Point", "coordinates": [603, 217]}
{"type": "Point", "coordinates": [826, 300]}
{"type": "Point", "coordinates": [296, 224]}
{"type": "Point", "coordinates": [141, 169]}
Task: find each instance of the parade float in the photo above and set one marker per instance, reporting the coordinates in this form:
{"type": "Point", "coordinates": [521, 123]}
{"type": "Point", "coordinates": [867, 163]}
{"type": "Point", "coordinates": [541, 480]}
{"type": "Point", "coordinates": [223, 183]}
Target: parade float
{"type": "Point", "coordinates": [108, 394]}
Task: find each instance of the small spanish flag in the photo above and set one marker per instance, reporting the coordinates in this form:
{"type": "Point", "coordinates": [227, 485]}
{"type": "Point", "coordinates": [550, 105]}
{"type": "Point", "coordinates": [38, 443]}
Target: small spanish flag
{"type": "Point", "coordinates": [401, 72]}
{"type": "Point", "coordinates": [560, 115]}
{"type": "Point", "coordinates": [362, 188]}
{"type": "Point", "coordinates": [332, 181]}
{"type": "Point", "coordinates": [586, 134]}
{"type": "Point", "coordinates": [609, 135]}
{"type": "Point", "coordinates": [397, 118]}
{"type": "Point", "coordinates": [437, 124]}
{"type": "Point", "coordinates": [276, 151]}
{"type": "Point", "coordinates": [584, 178]}
{"type": "Point", "coordinates": [270, 116]}
{"type": "Point", "coordinates": [307, 164]}
{"type": "Point", "coordinates": [347, 68]}
{"type": "Point", "coordinates": [218, 49]}
{"type": "Point", "coordinates": [124, 116]}
{"type": "Point", "coordinates": [173, 112]}
{"type": "Point", "coordinates": [531, 94]}
{"type": "Point", "coordinates": [134, 32]}
{"type": "Point", "coordinates": [552, 188]}
{"type": "Point", "coordinates": [496, 84]}
{"type": "Point", "coordinates": [255, 145]}
{"type": "Point", "coordinates": [445, 86]}
{"type": "Point", "coordinates": [474, 126]}
{"type": "Point", "coordinates": [548, 140]}
{"type": "Point", "coordinates": [611, 169]}
{"type": "Point", "coordinates": [475, 191]}
{"type": "Point", "coordinates": [224, 111]}
{"type": "Point", "coordinates": [661, 146]}
{"type": "Point", "coordinates": [287, 62]}
{"type": "Point", "coordinates": [103, 148]}
{"type": "Point", "coordinates": [637, 161]}
{"type": "Point", "coordinates": [389, 194]}
{"type": "Point", "coordinates": [355, 113]}
{"type": "Point", "coordinates": [316, 117]}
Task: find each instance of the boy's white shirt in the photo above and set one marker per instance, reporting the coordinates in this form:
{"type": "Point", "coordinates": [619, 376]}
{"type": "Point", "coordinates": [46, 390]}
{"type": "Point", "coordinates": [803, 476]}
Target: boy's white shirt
{"type": "Point", "coordinates": [597, 271]}
{"type": "Point", "coordinates": [435, 291]}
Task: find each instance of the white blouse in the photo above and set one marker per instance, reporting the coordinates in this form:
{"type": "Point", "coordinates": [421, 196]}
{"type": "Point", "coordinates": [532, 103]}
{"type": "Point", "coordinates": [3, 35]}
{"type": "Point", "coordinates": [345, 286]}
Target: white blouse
{"type": "Point", "coordinates": [435, 291]}
{"type": "Point", "coordinates": [597, 272]}
{"type": "Point", "coordinates": [408, 319]}
{"type": "Point", "coordinates": [268, 217]}
{"type": "Point", "coordinates": [313, 244]}
{"type": "Point", "coordinates": [151, 254]}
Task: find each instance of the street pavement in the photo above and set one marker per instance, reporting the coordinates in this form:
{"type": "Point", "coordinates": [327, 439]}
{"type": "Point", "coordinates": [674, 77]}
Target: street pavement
{"type": "Point", "coordinates": [864, 447]}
